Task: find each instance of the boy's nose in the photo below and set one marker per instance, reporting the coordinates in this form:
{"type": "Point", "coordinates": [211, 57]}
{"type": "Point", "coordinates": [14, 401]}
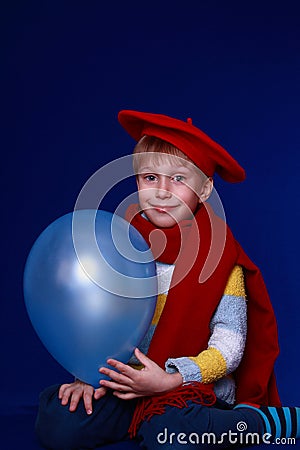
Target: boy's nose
{"type": "Point", "coordinates": [162, 190]}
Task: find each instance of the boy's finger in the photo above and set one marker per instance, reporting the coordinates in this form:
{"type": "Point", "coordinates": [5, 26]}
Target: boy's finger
{"type": "Point", "coordinates": [126, 395]}
{"type": "Point", "coordinates": [115, 386]}
{"type": "Point", "coordinates": [62, 389]}
{"type": "Point", "coordinates": [142, 358]}
{"type": "Point", "coordinates": [74, 401]}
{"type": "Point", "coordinates": [100, 392]}
{"type": "Point", "coordinates": [64, 399]}
{"type": "Point", "coordinates": [65, 396]}
{"type": "Point", "coordinates": [117, 364]}
{"type": "Point", "coordinates": [121, 367]}
{"type": "Point", "coordinates": [119, 377]}
{"type": "Point", "coordinates": [87, 399]}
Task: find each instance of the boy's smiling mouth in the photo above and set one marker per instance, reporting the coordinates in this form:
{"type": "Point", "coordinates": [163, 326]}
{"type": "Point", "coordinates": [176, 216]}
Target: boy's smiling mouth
{"type": "Point", "coordinates": [163, 208]}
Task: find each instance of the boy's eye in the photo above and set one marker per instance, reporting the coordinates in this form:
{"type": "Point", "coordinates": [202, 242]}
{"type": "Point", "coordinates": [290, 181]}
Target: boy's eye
{"type": "Point", "coordinates": [150, 177]}
{"type": "Point", "coordinates": [178, 178]}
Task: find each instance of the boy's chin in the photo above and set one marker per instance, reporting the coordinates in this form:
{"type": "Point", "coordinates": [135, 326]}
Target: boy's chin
{"type": "Point", "coordinates": [164, 220]}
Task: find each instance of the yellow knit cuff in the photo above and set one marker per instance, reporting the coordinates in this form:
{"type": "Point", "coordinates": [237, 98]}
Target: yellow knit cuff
{"type": "Point", "coordinates": [235, 285]}
{"type": "Point", "coordinates": [212, 365]}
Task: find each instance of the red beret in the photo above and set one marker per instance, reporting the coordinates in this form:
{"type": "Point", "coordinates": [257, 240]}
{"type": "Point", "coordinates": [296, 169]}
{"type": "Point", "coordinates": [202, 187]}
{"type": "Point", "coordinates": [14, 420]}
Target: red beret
{"type": "Point", "coordinates": [209, 156]}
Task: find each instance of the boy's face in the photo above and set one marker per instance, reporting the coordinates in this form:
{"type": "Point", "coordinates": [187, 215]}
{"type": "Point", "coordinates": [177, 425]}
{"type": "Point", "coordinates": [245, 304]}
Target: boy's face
{"type": "Point", "coordinates": [170, 191]}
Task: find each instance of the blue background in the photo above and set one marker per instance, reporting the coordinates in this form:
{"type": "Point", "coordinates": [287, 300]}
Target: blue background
{"type": "Point", "coordinates": [67, 68]}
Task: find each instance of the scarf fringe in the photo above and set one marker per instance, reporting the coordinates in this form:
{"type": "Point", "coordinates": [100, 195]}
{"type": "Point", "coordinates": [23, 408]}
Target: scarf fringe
{"type": "Point", "coordinates": [147, 407]}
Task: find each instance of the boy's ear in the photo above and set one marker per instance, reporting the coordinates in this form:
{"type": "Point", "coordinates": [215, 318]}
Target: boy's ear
{"type": "Point", "coordinates": [206, 190]}
{"type": "Point", "coordinates": [137, 180]}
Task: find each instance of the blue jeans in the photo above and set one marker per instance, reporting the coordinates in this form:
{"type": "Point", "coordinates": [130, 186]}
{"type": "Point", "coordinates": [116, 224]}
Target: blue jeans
{"type": "Point", "coordinates": [194, 426]}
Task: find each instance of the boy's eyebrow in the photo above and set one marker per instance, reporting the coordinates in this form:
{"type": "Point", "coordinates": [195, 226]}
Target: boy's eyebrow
{"type": "Point", "coordinates": [158, 170]}
{"type": "Point", "coordinates": [146, 169]}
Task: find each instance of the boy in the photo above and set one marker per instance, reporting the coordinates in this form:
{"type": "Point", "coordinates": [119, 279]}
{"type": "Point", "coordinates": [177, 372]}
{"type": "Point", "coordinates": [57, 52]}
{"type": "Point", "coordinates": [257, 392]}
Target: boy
{"type": "Point", "coordinates": [196, 362]}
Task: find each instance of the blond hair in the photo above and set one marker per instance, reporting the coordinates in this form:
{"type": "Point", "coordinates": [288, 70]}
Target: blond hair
{"type": "Point", "coordinates": [155, 149]}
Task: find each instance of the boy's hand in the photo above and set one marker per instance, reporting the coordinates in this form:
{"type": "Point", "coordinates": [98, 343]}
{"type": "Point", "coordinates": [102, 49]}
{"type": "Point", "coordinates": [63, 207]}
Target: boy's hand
{"type": "Point", "coordinates": [77, 390]}
{"type": "Point", "coordinates": [128, 383]}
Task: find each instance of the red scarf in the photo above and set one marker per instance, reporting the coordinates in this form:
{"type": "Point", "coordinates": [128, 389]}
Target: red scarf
{"type": "Point", "coordinates": [183, 328]}
{"type": "Point", "coordinates": [205, 252]}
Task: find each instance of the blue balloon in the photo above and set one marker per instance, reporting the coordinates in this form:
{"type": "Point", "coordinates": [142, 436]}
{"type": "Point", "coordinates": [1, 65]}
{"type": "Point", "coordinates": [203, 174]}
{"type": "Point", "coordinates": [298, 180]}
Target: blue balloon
{"type": "Point", "coordinates": [90, 290]}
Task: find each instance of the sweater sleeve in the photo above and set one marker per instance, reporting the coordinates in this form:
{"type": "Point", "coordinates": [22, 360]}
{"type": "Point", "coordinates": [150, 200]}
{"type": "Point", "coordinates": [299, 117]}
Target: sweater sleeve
{"type": "Point", "coordinates": [227, 341]}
